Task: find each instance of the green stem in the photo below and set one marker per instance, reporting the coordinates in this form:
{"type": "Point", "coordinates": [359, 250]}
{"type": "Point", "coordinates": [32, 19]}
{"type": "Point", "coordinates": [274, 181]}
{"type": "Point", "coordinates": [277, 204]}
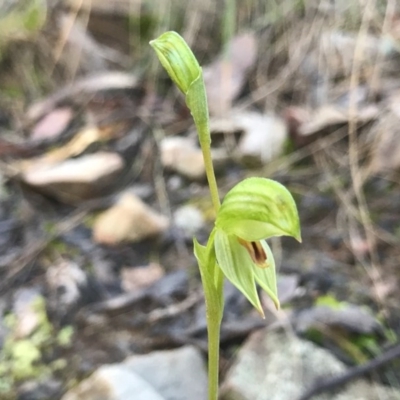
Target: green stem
{"type": "Point", "coordinates": [213, 329]}
{"type": "Point", "coordinates": [214, 295]}
{"type": "Point", "coordinates": [212, 183]}
{"type": "Point", "coordinates": [214, 305]}
{"type": "Point", "coordinates": [183, 68]}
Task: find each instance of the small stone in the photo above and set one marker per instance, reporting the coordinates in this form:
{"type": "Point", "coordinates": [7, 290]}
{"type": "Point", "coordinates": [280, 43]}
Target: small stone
{"type": "Point", "coordinates": [40, 389]}
{"type": "Point", "coordinates": [77, 179]}
{"type": "Point", "coordinates": [65, 281]}
{"type": "Point", "coordinates": [287, 287]}
{"type": "Point", "coordinates": [28, 318]}
{"type": "Point", "coordinates": [162, 375]}
{"type": "Point", "coordinates": [129, 220]}
{"type": "Point", "coordinates": [349, 317]}
{"type": "Point", "coordinates": [189, 219]}
{"type": "Point", "coordinates": [176, 374]}
{"type": "Point", "coordinates": [134, 279]}
{"type": "Point", "coordinates": [182, 156]}
{"type": "Point", "coordinates": [113, 382]}
{"type": "Point", "coordinates": [285, 365]}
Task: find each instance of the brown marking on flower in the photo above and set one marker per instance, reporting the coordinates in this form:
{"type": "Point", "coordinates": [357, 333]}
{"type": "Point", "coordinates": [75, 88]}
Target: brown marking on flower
{"type": "Point", "coordinates": [256, 252]}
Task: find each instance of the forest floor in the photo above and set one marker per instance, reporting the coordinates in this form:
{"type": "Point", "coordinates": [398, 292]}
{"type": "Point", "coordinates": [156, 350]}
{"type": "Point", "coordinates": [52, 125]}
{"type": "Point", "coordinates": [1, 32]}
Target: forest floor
{"type": "Point", "coordinates": [102, 185]}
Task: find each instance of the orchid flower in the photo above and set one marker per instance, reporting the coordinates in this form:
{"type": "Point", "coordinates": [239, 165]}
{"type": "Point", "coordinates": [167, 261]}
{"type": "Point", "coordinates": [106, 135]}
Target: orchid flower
{"type": "Point", "coordinates": [251, 212]}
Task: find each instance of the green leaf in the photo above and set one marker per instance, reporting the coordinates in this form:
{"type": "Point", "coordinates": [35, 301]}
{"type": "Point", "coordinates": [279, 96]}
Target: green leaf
{"type": "Point", "coordinates": [266, 277]}
{"type": "Point", "coordinates": [205, 256]}
{"type": "Point", "coordinates": [200, 252]}
{"type": "Point", "coordinates": [207, 265]}
{"type": "Point", "coordinates": [237, 266]}
{"type": "Point", "coordinates": [258, 208]}
{"type": "Point", "coordinates": [177, 58]}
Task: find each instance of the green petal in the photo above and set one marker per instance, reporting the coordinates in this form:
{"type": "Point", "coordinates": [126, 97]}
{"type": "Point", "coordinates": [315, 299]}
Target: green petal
{"type": "Point", "coordinates": [258, 208]}
{"type": "Point", "coordinates": [266, 277]}
{"type": "Point", "coordinates": [177, 58]}
{"type": "Point", "coordinates": [237, 266]}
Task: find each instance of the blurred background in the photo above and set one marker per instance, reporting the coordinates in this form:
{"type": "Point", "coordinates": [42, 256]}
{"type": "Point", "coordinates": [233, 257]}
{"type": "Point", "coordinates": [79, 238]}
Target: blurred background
{"type": "Point", "coordinates": [102, 188]}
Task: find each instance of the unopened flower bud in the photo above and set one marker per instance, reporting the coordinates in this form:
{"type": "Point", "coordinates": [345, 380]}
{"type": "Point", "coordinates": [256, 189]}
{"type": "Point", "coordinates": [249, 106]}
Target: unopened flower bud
{"type": "Point", "coordinates": [177, 58]}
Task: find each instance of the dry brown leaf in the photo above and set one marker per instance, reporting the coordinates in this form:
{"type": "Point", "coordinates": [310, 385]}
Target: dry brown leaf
{"type": "Point", "coordinates": [53, 124]}
{"type": "Point", "coordinates": [330, 115]}
{"type": "Point", "coordinates": [114, 7]}
{"type": "Point", "coordinates": [129, 220]}
{"type": "Point", "coordinates": [263, 135]}
{"type": "Point", "coordinates": [74, 180]}
{"type": "Point", "coordinates": [225, 77]}
{"type": "Point", "coordinates": [334, 51]}
{"type": "Point", "coordinates": [394, 103]}
{"type": "Point", "coordinates": [304, 124]}
{"type": "Point", "coordinates": [76, 146]}
{"type": "Point", "coordinates": [82, 89]}
{"type": "Point", "coordinates": [78, 51]}
{"type": "Point", "coordinates": [385, 155]}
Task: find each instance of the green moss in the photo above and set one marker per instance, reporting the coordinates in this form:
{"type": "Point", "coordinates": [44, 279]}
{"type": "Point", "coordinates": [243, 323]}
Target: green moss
{"type": "Point", "coordinates": [22, 22]}
{"type": "Point", "coordinates": [57, 247]}
{"type": "Point", "coordinates": [22, 358]}
{"type": "Point", "coordinates": [329, 301]}
{"type": "Point", "coordinates": [64, 337]}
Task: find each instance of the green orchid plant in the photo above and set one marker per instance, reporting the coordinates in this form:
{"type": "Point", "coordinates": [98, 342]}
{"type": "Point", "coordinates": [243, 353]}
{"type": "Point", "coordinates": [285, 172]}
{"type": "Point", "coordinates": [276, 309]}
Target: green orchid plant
{"type": "Point", "coordinates": [251, 212]}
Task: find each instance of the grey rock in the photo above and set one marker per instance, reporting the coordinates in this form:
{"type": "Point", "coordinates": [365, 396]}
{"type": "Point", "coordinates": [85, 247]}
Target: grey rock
{"type": "Point", "coordinates": [65, 281]}
{"type": "Point", "coordinates": [113, 382]}
{"type": "Point", "coordinates": [350, 317]}
{"type": "Point", "coordinates": [162, 375]}
{"type": "Point", "coordinates": [189, 219]}
{"type": "Point", "coordinates": [25, 310]}
{"type": "Point", "coordinates": [40, 389]}
{"type": "Point", "coordinates": [275, 366]}
{"type": "Point", "coordinates": [176, 374]}
{"type": "Point", "coordinates": [288, 287]}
